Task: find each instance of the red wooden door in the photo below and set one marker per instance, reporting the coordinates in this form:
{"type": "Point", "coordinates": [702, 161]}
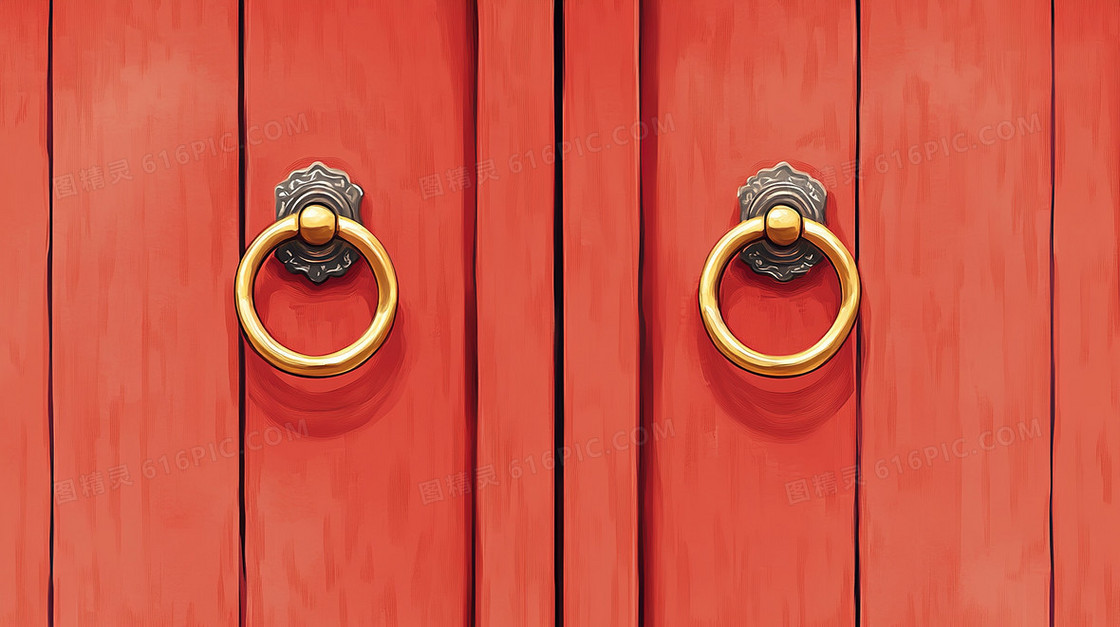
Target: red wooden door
{"type": "Point", "coordinates": [913, 479]}
{"type": "Point", "coordinates": [953, 463]}
{"type": "Point", "coordinates": [549, 435]}
{"type": "Point", "coordinates": [192, 483]}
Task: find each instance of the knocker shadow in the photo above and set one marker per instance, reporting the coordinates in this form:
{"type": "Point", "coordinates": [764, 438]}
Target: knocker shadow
{"type": "Point", "coordinates": [330, 406]}
{"type": "Point", "coordinates": [781, 408]}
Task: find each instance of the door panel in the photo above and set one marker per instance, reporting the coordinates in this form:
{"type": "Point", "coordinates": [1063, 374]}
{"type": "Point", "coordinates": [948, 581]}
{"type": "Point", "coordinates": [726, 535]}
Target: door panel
{"type": "Point", "coordinates": [514, 477]}
{"type": "Point", "coordinates": [954, 255]}
{"type": "Point", "coordinates": [601, 217]}
{"type": "Point", "coordinates": [357, 508]}
{"type": "Point", "coordinates": [145, 374]}
{"type": "Point", "coordinates": [1086, 502]}
{"type": "Point", "coordinates": [747, 518]}
{"type": "Point", "coordinates": [970, 155]}
{"type": "Point", "coordinates": [25, 463]}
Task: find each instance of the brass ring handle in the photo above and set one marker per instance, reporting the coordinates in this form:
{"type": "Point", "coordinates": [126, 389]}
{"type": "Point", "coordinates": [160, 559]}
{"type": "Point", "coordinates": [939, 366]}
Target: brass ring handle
{"type": "Point", "coordinates": [782, 226]}
{"type": "Point", "coordinates": [316, 225]}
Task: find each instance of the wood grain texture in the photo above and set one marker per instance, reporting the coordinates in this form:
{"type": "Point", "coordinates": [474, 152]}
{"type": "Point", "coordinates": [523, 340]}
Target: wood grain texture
{"type": "Point", "coordinates": [1086, 497]}
{"type": "Point", "coordinates": [145, 338]}
{"type": "Point", "coordinates": [359, 513]}
{"type": "Point", "coordinates": [515, 582]}
{"type": "Point", "coordinates": [747, 518]}
{"type": "Point", "coordinates": [25, 464]}
{"type": "Point", "coordinates": [954, 255]}
{"type": "Point", "coordinates": [601, 217]}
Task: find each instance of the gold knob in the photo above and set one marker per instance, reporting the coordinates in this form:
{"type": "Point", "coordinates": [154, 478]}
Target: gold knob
{"type": "Point", "coordinates": [316, 225]}
{"type": "Point", "coordinates": [782, 226]}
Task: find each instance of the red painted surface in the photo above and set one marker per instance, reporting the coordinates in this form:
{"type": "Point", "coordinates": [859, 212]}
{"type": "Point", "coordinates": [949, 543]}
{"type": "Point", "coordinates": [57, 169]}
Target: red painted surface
{"type": "Point", "coordinates": [514, 577]}
{"type": "Point", "coordinates": [25, 465]}
{"type": "Point", "coordinates": [144, 334]}
{"type": "Point", "coordinates": [737, 87]}
{"type": "Point", "coordinates": [344, 524]}
{"type": "Point", "coordinates": [375, 499]}
{"type": "Point", "coordinates": [1086, 313]}
{"type": "Point", "coordinates": [954, 255]}
{"type": "Point", "coordinates": [601, 217]}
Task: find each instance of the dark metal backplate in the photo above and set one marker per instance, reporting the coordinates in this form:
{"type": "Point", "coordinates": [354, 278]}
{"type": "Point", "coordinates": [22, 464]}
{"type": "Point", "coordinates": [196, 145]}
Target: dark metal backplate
{"type": "Point", "coordinates": [782, 185]}
{"type": "Point", "coordinates": [318, 185]}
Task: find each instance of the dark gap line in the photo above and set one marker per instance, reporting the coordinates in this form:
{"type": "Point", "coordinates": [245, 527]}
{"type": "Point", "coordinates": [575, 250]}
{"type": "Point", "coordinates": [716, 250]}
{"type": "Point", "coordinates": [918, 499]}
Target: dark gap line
{"type": "Point", "coordinates": [558, 300]}
{"type": "Point", "coordinates": [857, 582]}
{"type": "Point", "coordinates": [242, 171]}
{"type": "Point", "coordinates": [50, 304]}
{"type": "Point", "coordinates": [1053, 361]}
{"type": "Point", "coordinates": [471, 332]}
{"type": "Point", "coordinates": [640, 520]}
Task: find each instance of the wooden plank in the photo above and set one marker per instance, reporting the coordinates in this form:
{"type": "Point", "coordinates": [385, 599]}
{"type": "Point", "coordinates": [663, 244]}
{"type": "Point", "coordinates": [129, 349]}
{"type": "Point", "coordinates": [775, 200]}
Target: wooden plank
{"type": "Point", "coordinates": [601, 217]}
{"type": "Point", "coordinates": [1086, 498]}
{"type": "Point", "coordinates": [145, 339]}
{"type": "Point", "coordinates": [954, 255]}
{"type": "Point", "coordinates": [25, 463]}
{"type": "Point", "coordinates": [515, 578]}
{"type": "Point", "coordinates": [735, 531]}
{"type": "Point", "coordinates": [360, 513]}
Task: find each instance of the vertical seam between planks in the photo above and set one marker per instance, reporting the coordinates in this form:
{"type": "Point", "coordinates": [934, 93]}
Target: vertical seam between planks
{"type": "Point", "coordinates": [640, 527]}
{"type": "Point", "coordinates": [242, 171]}
{"type": "Point", "coordinates": [857, 581]}
{"type": "Point", "coordinates": [558, 307]}
{"type": "Point", "coordinates": [1053, 362]}
{"type": "Point", "coordinates": [50, 305]}
{"type": "Point", "coordinates": [471, 333]}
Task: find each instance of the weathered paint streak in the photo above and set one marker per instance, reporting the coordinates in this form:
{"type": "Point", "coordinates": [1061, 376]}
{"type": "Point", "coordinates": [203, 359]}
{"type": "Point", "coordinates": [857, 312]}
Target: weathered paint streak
{"type": "Point", "coordinates": [601, 218]}
{"type": "Point", "coordinates": [368, 520]}
{"type": "Point", "coordinates": [954, 255]}
{"type": "Point", "coordinates": [145, 338]}
{"type": "Point", "coordinates": [1086, 313]}
{"type": "Point", "coordinates": [25, 465]}
{"type": "Point", "coordinates": [516, 328]}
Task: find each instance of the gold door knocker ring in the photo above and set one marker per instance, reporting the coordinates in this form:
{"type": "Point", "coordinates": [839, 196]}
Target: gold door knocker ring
{"type": "Point", "coordinates": [317, 225]}
{"type": "Point", "coordinates": [782, 226]}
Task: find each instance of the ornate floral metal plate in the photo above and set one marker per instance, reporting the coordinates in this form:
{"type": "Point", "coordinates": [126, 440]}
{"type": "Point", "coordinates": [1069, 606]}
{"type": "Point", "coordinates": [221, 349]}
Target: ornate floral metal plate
{"type": "Point", "coordinates": [782, 185]}
{"type": "Point", "coordinates": [331, 188]}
